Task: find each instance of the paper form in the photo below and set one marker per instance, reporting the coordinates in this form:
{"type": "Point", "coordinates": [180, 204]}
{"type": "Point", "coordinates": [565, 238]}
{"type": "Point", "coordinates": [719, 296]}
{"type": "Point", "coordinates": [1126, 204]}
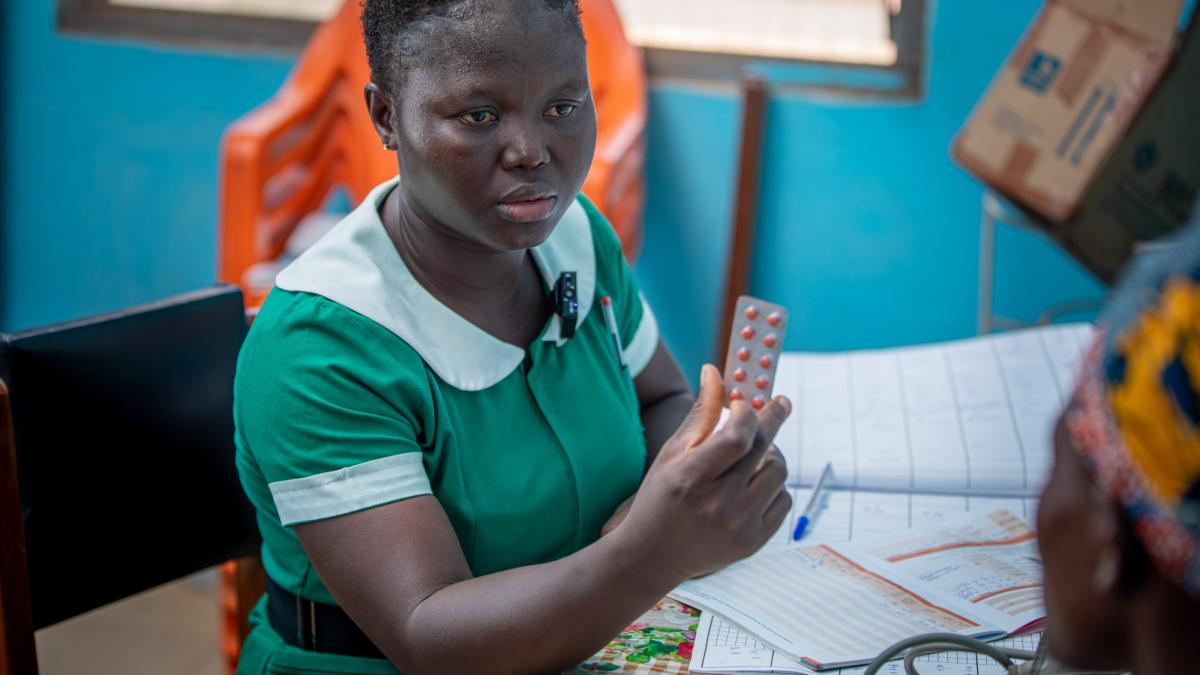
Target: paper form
{"type": "Point", "coordinates": [846, 515]}
{"type": "Point", "coordinates": [722, 648]}
{"type": "Point", "coordinates": [973, 416]}
{"type": "Point", "coordinates": [843, 516]}
{"type": "Point", "coordinates": [992, 562]}
{"type": "Point", "coordinates": [849, 515]}
{"type": "Point", "coordinates": [910, 428]}
{"type": "Point", "coordinates": [786, 597]}
{"type": "Point", "coordinates": [876, 602]}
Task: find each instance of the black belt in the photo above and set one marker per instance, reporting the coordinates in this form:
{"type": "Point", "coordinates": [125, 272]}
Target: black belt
{"type": "Point", "coordinates": [316, 626]}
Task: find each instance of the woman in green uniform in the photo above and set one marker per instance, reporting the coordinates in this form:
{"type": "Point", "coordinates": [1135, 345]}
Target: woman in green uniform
{"type": "Point", "coordinates": [432, 452]}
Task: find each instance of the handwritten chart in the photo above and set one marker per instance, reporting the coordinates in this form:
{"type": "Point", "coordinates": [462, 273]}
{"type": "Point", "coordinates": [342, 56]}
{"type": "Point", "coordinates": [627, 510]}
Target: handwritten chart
{"type": "Point", "coordinates": [721, 647]}
{"type": "Point", "coordinates": [995, 564]}
{"type": "Point", "coordinates": [848, 516]}
{"type": "Point", "coordinates": [918, 437]}
{"type": "Point", "coordinates": [967, 417]}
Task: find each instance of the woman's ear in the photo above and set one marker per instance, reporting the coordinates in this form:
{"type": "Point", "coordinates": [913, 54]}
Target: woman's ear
{"type": "Point", "coordinates": [1107, 573]}
{"type": "Point", "coordinates": [382, 112]}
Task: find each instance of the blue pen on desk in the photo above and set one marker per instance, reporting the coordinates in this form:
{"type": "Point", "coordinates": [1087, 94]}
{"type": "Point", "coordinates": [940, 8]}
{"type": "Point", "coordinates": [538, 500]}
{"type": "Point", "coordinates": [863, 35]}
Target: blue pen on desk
{"type": "Point", "coordinates": [802, 523]}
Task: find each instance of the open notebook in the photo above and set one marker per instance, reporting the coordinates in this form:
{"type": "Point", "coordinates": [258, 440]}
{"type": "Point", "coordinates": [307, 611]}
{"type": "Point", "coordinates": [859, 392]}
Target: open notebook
{"type": "Point", "coordinates": [917, 436]}
{"type": "Point", "coordinates": [845, 516]}
{"type": "Point", "coordinates": [722, 648]}
{"type": "Point", "coordinates": [969, 417]}
{"type": "Point", "coordinates": [830, 605]}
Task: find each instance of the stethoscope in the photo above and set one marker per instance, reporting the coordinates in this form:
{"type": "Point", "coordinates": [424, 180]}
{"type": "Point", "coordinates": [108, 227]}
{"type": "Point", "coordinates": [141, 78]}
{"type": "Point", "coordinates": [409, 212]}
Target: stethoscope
{"type": "Point", "coordinates": [1035, 663]}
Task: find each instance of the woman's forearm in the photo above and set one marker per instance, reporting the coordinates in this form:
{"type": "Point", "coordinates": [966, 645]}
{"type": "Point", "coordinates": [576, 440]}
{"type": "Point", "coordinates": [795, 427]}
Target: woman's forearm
{"type": "Point", "coordinates": [539, 618]}
{"type": "Point", "coordinates": [664, 398]}
{"type": "Point", "coordinates": [580, 601]}
{"type": "Point", "coordinates": [400, 572]}
{"type": "Point", "coordinates": [662, 417]}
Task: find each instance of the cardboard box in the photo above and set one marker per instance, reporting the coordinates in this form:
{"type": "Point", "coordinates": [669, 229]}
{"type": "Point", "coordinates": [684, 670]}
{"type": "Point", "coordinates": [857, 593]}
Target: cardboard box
{"type": "Point", "coordinates": [1093, 124]}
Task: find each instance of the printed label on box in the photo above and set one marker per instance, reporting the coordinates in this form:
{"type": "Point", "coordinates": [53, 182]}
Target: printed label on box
{"type": "Point", "coordinates": [1041, 72]}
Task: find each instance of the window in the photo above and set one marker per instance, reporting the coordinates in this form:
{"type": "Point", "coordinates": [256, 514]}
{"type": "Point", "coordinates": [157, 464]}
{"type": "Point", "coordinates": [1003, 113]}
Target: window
{"type": "Point", "coordinates": [718, 39]}
{"type": "Point", "coordinates": [311, 10]}
{"type": "Point", "coordinates": [861, 45]}
{"type": "Point", "coordinates": [270, 24]}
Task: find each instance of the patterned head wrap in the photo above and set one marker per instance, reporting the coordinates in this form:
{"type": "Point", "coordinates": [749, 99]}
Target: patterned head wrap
{"type": "Point", "coordinates": [1135, 415]}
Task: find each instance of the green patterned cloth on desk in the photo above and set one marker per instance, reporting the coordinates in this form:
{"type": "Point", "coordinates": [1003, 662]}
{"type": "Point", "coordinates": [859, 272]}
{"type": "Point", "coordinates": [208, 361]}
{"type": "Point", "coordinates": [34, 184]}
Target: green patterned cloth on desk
{"type": "Point", "coordinates": [660, 641]}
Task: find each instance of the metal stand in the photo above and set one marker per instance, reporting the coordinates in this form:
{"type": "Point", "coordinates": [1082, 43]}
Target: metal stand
{"type": "Point", "coordinates": [993, 211]}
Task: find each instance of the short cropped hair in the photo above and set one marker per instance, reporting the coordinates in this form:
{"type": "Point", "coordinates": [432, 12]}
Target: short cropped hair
{"type": "Point", "coordinates": [387, 23]}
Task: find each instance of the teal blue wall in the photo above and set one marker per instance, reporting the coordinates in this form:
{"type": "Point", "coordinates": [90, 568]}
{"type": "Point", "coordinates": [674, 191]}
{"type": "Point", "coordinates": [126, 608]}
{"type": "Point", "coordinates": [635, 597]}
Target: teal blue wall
{"type": "Point", "coordinates": [867, 230]}
{"type": "Point", "coordinates": [110, 166]}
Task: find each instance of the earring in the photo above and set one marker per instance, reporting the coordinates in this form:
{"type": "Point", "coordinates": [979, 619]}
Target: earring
{"type": "Point", "coordinates": [389, 145]}
{"type": "Point", "coordinates": [1105, 576]}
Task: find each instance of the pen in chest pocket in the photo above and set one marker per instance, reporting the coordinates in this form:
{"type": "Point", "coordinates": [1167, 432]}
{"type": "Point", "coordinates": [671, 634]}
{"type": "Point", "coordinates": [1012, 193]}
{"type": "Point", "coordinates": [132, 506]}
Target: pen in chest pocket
{"type": "Point", "coordinates": [610, 320]}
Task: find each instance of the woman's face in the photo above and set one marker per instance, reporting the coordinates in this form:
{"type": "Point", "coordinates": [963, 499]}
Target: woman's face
{"type": "Point", "coordinates": [1076, 532]}
{"type": "Point", "coordinates": [495, 123]}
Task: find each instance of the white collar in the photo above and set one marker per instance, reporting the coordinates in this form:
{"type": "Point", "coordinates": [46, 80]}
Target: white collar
{"type": "Point", "coordinates": [357, 266]}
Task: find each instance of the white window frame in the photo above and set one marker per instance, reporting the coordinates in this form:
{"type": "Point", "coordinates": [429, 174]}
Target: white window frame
{"type": "Point", "coordinates": [903, 79]}
{"type": "Point", "coordinates": [257, 25]}
{"type": "Point", "coordinates": [177, 27]}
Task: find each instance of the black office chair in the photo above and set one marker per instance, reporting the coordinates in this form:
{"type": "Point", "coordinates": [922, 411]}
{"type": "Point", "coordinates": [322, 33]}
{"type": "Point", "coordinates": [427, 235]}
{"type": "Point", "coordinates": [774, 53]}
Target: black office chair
{"type": "Point", "coordinates": [116, 460]}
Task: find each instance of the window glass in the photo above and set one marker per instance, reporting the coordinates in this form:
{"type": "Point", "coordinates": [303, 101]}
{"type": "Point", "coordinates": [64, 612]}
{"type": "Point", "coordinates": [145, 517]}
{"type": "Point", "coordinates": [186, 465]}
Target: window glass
{"type": "Point", "coordinates": [841, 31]}
{"type": "Point", "coordinates": [312, 10]}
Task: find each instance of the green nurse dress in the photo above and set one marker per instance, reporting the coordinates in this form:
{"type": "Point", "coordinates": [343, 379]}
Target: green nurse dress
{"type": "Point", "coordinates": [357, 388]}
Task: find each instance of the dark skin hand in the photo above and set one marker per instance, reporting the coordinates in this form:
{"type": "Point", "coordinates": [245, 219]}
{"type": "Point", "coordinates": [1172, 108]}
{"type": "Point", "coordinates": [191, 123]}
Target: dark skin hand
{"type": "Point", "coordinates": [399, 571]}
{"type": "Point", "coordinates": [1107, 607]}
{"type": "Point", "coordinates": [491, 159]}
{"type": "Point", "coordinates": [665, 398]}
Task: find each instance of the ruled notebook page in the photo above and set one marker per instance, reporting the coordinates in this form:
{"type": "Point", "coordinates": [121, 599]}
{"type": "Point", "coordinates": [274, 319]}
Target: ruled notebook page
{"type": "Point", "coordinates": [845, 516]}
{"type": "Point", "coordinates": [970, 417]}
{"type": "Point", "coordinates": [836, 604]}
{"type": "Point", "coordinates": [722, 648]}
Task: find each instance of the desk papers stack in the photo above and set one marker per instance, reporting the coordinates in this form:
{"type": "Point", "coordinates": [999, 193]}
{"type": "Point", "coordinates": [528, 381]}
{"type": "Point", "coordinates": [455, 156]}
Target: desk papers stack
{"type": "Point", "coordinates": [935, 438]}
{"type": "Point", "coordinates": [831, 605]}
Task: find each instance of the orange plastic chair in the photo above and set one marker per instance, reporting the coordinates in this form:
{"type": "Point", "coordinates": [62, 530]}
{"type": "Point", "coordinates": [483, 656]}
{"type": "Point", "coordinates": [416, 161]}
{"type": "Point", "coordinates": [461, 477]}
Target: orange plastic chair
{"type": "Point", "coordinates": [281, 161]}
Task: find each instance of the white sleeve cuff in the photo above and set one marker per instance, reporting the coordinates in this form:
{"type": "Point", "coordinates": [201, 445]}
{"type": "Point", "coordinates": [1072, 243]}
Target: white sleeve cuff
{"type": "Point", "coordinates": [645, 341]}
{"type": "Point", "coordinates": [350, 489]}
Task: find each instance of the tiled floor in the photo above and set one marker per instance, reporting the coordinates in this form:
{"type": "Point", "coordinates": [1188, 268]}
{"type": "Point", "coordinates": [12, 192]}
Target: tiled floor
{"type": "Point", "coordinates": [173, 629]}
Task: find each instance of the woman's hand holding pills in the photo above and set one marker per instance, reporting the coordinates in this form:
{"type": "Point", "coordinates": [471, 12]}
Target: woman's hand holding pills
{"type": "Point", "coordinates": [711, 497]}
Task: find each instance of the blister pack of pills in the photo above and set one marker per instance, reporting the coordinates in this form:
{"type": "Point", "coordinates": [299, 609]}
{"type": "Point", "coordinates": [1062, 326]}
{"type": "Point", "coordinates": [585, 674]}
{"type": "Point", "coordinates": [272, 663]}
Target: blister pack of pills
{"type": "Point", "coordinates": [755, 343]}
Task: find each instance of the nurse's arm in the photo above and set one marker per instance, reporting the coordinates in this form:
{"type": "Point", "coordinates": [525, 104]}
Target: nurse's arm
{"type": "Point", "coordinates": [399, 571]}
{"type": "Point", "coordinates": [664, 398]}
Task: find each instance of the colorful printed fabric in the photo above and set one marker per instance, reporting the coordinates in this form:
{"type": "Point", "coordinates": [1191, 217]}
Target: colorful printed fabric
{"type": "Point", "coordinates": [1135, 415]}
{"type": "Point", "coordinates": [660, 641]}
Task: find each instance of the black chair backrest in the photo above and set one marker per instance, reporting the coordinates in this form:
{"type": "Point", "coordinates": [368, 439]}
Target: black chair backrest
{"type": "Point", "coordinates": [123, 427]}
